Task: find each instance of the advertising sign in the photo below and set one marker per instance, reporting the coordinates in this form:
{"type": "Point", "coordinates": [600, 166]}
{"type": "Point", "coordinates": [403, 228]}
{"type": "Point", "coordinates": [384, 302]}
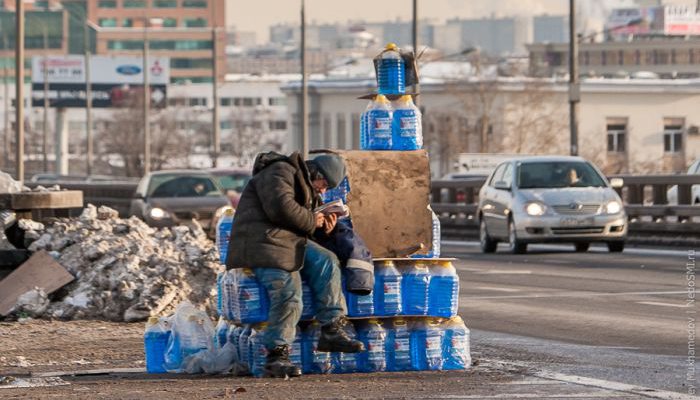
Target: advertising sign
{"type": "Point", "coordinates": [635, 21]}
{"type": "Point", "coordinates": [112, 78]}
{"type": "Point", "coordinates": [681, 20]}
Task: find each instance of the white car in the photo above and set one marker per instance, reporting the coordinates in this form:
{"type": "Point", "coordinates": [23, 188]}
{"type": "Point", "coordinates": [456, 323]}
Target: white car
{"type": "Point", "coordinates": [672, 193]}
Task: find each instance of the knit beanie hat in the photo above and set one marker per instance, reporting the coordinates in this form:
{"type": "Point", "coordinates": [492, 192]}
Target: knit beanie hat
{"type": "Point", "coordinates": [331, 167]}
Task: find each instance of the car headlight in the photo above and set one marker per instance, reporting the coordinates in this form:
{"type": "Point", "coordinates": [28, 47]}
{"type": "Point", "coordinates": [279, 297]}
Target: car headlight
{"type": "Point", "coordinates": [158, 213]}
{"type": "Point", "coordinates": [534, 209]}
{"type": "Point", "coordinates": [613, 207]}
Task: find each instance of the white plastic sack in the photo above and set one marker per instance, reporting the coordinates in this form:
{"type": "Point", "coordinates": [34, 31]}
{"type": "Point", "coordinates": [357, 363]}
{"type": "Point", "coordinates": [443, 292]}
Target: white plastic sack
{"type": "Point", "coordinates": [9, 185]}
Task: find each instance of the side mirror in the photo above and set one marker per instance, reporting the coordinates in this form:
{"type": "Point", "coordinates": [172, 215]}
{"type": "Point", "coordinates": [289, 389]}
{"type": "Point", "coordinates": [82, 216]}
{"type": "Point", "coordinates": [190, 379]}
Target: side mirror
{"type": "Point", "coordinates": [501, 185]}
{"type": "Point", "coordinates": [617, 183]}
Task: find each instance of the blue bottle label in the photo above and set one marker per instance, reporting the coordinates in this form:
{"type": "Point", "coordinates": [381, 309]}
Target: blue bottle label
{"type": "Point", "coordinates": [402, 348]}
{"type": "Point", "coordinates": [375, 350]}
{"type": "Point", "coordinates": [381, 127]}
{"type": "Point", "coordinates": [392, 292]}
{"type": "Point", "coordinates": [432, 347]}
{"type": "Point", "coordinates": [364, 300]}
{"type": "Point", "coordinates": [407, 126]}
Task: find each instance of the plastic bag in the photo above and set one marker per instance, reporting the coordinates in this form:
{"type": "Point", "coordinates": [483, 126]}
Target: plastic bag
{"type": "Point", "coordinates": [245, 300]}
{"type": "Point", "coordinates": [192, 333]}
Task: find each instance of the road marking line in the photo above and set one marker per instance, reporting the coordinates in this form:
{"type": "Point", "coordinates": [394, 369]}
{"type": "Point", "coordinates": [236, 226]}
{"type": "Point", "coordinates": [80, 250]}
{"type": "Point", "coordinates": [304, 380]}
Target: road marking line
{"type": "Point", "coordinates": [598, 383]}
{"type": "Point", "coordinates": [503, 271]}
{"type": "Point", "coordinates": [597, 249]}
{"type": "Point", "coordinates": [570, 294]}
{"type": "Point", "coordinates": [497, 289]}
{"type": "Point", "coordinates": [654, 303]}
{"type": "Point", "coordinates": [588, 395]}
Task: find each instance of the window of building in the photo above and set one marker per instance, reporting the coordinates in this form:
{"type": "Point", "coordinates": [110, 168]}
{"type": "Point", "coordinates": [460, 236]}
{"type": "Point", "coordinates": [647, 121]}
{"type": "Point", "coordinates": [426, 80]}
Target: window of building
{"type": "Point", "coordinates": [134, 4]}
{"type": "Point", "coordinates": [603, 58]}
{"type": "Point", "coordinates": [198, 101]}
{"type": "Point", "coordinates": [247, 101]}
{"type": "Point", "coordinates": [226, 101]}
{"type": "Point", "coordinates": [673, 135]}
{"type": "Point", "coordinates": [191, 79]}
{"type": "Point", "coordinates": [355, 121]}
{"type": "Point", "coordinates": [692, 58]}
{"type": "Point", "coordinates": [194, 22]}
{"type": "Point", "coordinates": [169, 22]}
{"type": "Point", "coordinates": [277, 101]}
{"type": "Point", "coordinates": [621, 57]}
{"type": "Point", "coordinates": [617, 135]}
{"type": "Point", "coordinates": [278, 125]}
{"type": "Point", "coordinates": [125, 44]}
{"type": "Point", "coordinates": [176, 101]}
{"type": "Point", "coordinates": [41, 4]}
{"type": "Point", "coordinates": [107, 4]}
{"type": "Point", "coordinates": [637, 57]}
{"type": "Point", "coordinates": [165, 3]}
{"type": "Point", "coordinates": [191, 63]}
{"type": "Point", "coordinates": [127, 22]}
{"type": "Point", "coordinates": [107, 22]}
{"type": "Point", "coordinates": [180, 44]}
{"type": "Point", "coordinates": [227, 124]}
{"type": "Point", "coordinates": [194, 3]}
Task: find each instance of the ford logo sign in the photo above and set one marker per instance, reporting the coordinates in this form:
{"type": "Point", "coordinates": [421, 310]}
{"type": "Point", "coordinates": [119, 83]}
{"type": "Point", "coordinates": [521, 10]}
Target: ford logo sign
{"type": "Point", "coordinates": [129, 69]}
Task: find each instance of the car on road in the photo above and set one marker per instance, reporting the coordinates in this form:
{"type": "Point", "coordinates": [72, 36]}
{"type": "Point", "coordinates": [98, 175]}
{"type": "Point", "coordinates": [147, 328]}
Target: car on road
{"type": "Point", "coordinates": [672, 192]}
{"type": "Point", "coordinates": [538, 199]}
{"type": "Point", "coordinates": [232, 182]}
{"type": "Point", "coordinates": [171, 197]}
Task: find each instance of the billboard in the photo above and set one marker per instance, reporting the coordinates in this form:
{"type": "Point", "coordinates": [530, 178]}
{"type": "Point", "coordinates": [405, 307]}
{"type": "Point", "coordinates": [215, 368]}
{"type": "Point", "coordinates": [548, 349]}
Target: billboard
{"type": "Point", "coordinates": [681, 20]}
{"type": "Point", "coordinates": [111, 78]}
{"type": "Point", "coordinates": [635, 21]}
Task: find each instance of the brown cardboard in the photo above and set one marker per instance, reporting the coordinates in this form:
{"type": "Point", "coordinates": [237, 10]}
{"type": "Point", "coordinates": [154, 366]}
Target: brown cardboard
{"type": "Point", "coordinates": [41, 270]}
{"type": "Point", "coordinates": [388, 200]}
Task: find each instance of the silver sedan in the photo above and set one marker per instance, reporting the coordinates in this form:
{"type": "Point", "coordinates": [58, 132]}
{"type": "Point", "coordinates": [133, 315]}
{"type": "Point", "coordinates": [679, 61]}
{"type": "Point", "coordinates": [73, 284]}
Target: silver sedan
{"type": "Point", "coordinates": [550, 199]}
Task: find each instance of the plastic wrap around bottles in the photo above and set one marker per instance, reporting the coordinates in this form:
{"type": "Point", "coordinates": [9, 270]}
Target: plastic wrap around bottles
{"type": "Point", "coordinates": [426, 346]}
{"type": "Point", "coordinates": [223, 233]}
{"type": "Point", "coordinates": [314, 361]}
{"type": "Point", "coordinates": [245, 300]}
{"type": "Point", "coordinates": [155, 341]}
{"type": "Point", "coordinates": [456, 351]}
{"type": "Point", "coordinates": [398, 346]}
{"type": "Point", "coordinates": [443, 293]}
{"type": "Point", "coordinates": [391, 70]}
{"type": "Point", "coordinates": [387, 289]}
{"type": "Point", "coordinates": [406, 128]}
{"type": "Point", "coordinates": [358, 306]}
{"type": "Point", "coordinates": [344, 363]}
{"type": "Point", "coordinates": [415, 282]}
{"type": "Point", "coordinates": [222, 328]}
{"type": "Point", "coordinates": [244, 350]}
{"type": "Point", "coordinates": [373, 335]}
{"type": "Point", "coordinates": [339, 193]}
{"type": "Point", "coordinates": [257, 351]}
{"type": "Point", "coordinates": [307, 300]}
{"type": "Point", "coordinates": [379, 124]}
{"type": "Point", "coordinates": [364, 127]}
{"type": "Point", "coordinates": [220, 293]}
{"type": "Point", "coordinates": [192, 333]}
{"type": "Point", "coordinates": [296, 352]}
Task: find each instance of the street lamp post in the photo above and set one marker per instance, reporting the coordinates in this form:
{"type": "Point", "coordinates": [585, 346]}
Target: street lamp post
{"type": "Point", "coordinates": [19, 90]}
{"type": "Point", "coordinates": [146, 103]}
{"type": "Point", "coordinates": [574, 84]}
{"type": "Point", "coordinates": [216, 129]}
{"type": "Point", "coordinates": [304, 89]}
{"type": "Point", "coordinates": [416, 86]}
{"type": "Point", "coordinates": [88, 100]}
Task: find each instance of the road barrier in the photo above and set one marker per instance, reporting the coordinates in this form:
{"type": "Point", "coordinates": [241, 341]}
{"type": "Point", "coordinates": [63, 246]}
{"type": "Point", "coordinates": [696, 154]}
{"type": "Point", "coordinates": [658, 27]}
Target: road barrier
{"type": "Point", "coordinates": [455, 202]}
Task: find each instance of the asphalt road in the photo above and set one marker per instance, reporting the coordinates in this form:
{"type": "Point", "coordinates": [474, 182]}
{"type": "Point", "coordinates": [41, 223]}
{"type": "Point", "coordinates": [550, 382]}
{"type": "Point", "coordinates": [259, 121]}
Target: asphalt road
{"type": "Point", "coordinates": [621, 317]}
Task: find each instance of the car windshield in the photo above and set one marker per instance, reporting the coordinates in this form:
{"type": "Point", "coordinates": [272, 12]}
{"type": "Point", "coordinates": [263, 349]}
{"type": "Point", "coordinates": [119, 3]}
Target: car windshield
{"type": "Point", "coordinates": [233, 182]}
{"type": "Point", "coordinates": [168, 185]}
{"type": "Point", "coordinates": [558, 174]}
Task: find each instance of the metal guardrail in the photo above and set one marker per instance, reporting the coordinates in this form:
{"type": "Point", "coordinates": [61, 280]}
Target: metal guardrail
{"type": "Point", "coordinates": [646, 204]}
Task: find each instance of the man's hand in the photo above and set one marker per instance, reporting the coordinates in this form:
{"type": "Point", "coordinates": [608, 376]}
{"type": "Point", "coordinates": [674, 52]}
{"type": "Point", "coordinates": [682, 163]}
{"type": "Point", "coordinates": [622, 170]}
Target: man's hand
{"type": "Point", "coordinates": [320, 220]}
{"type": "Point", "coordinates": [330, 221]}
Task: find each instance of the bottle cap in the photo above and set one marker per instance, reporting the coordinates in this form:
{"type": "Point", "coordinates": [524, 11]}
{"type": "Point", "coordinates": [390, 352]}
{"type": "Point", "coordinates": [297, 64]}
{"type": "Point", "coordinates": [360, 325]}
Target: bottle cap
{"type": "Point", "coordinates": [229, 212]}
{"type": "Point", "coordinates": [381, 99]}
{"type": "Point", "coordinates": [405, 98]}
{"type": "Point", "coordinates": [391, 46]}
{"type": "Point", "coordinates": [387, 263]}
{"type": "Point", "coordinates": [153, 320]}
{"type": "Point", "coordinates": [399, 321]}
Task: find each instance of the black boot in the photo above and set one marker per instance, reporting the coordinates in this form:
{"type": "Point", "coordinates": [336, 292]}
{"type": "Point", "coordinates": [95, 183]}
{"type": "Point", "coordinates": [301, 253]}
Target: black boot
{"type": "Point", "coordinates": [334, 338]}
{"type": "Point", "coordinates": [278, 365]}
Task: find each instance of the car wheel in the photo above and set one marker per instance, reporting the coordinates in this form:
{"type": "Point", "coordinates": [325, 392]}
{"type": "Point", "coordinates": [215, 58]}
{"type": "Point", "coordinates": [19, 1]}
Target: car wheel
{"type": "Point", "coordinates": [582, 247]}
{"type": "Point", "coordinates": [515, 246]}
{"type": "Point", "coordinates": [616, 247]}
{"type": "Point", "coordinates": [488, 245]}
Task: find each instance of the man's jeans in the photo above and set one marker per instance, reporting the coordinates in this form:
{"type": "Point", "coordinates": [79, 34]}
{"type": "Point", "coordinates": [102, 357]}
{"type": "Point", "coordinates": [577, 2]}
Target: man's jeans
{"type": "Point", "coordinates": [321, 270]}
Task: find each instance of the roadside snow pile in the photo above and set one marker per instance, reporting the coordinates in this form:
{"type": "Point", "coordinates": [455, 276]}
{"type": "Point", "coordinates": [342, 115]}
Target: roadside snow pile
{"type": "Point", "coordinates": [126, 270]}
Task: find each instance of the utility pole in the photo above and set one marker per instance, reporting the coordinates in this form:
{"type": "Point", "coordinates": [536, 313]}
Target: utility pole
{"type": "Point", "coordinates": [19, 90]}
{"type": "Point", "coordinates": [45, 136]}
{"type": "Point", "coordinates": [416, 85]}
{"type": "Point", "coordinates": [216, 129]}
{"type": "Point", "coordinates": [304, 89]}
{"type": "Point", "coordinates": [88, 100]}
{"type": "Point", "coordinates": [146, 103]}
{"type": "Point", "coordinates": [574, 84]}
{"type": "Point", "coordinates": [6, 129]}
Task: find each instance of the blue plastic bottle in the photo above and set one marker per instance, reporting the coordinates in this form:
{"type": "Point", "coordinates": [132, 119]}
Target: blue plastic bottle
{"type": "Point", "coordinates": [296, 352]}
{"type": "Point", "coordinates": [373, 336]}
{"type": "Point", "coordinates": [220, 293]}
{"type": "Point", "coordinates": [247, 299]}
{"type": "Point", "coordinates": [307, 299]}
{"type": "Point", "coordinates": [364, 127]}
{"type": "Point", "coordinates": [258, 351]}
{"type": "Point", "coordinates": [455, 346]}
{"type": "Point", "coordinates": [398, 346]}
{"type": "Point", "coordinates": [387, 289]}
{"type": "Point", "coordinates": [415, 282]}
{"type": "Point", "coordinates": [344, 363]}
{"type": "Point", "coordinates": [221, 332]}
{"type": "Point", "coordinates": [390, 71]}
{"type": "Point", "coordinates": [379, 124]}
{"type": "Point", "coordinates": [435, 251]}
{"type": "Point", "coordinates": [223, 233]}
{"type": "Point", "coordinates": [407, 129]}
{"type": "Point", "coordinates": [426, 346]}
{"type": "Point", "coordinates": [244, 349]}
{"type": "Point", "coordinates": [444, 290]}
{"type": "Point", "coordinates": [314, 361]}
{"type": "Point", "coordinates": [234, 334]}
{"type": "Point", "coordinates": [358, 306]}
{"type": "Point", "coordinates": [155, 342]}
{"type": "Point", "coordinates": [339, 193]}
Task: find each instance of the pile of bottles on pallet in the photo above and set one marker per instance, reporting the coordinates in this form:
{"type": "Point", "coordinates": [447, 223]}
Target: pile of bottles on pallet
{"type": "Point", "coordinates": [427, 287]}
{"type": "Point", "coordinates": [398, 344]}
